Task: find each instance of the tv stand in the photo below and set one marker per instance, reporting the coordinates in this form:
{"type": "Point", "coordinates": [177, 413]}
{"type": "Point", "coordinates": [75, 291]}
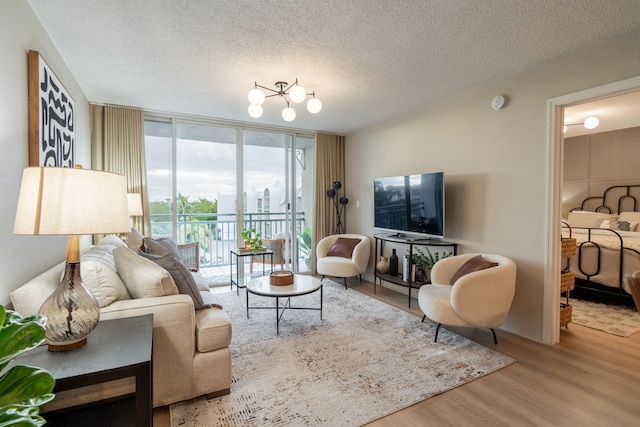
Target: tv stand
{"type": "Point", "coordinates": [410, 241]}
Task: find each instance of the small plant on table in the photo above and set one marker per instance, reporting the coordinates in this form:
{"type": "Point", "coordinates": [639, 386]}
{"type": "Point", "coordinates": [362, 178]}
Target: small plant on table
{"type": "Point", "coordinates": [252, 239]}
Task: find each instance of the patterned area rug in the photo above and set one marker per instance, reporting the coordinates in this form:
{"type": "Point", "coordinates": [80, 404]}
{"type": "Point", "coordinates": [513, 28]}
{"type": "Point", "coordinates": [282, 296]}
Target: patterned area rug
{"type": "Point", "coordinates": [363, 360]}
{"type": "Point", "coordinates": [618, 320]}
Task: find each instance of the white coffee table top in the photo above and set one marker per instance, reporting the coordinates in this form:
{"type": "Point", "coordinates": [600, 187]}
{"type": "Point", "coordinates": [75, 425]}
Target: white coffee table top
{"type": "Point", "coordinates": [302, 284]}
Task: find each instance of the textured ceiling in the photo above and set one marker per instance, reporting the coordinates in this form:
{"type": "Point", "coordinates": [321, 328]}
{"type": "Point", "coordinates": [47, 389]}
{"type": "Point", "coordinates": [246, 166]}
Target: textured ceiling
{"type": "Point", "coordinates": [367, 60]}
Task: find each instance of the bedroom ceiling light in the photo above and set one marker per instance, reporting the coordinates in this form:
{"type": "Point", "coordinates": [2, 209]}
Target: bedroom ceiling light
{"type": "Point", "coordinates": [293, 93]}
{"type": "Point", "coordinates": [589, 123]}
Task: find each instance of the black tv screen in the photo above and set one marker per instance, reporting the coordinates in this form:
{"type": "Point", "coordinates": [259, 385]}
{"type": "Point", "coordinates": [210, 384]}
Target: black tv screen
{"type": "Point", "coordinates": [410, 204]}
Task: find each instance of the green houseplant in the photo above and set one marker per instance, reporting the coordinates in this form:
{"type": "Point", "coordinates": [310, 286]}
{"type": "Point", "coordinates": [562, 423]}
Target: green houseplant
{"type": "Point", "coordinates": [23, 389]}
{"type": "Point", "coordinates": [252, 239]}
{"type": "Point", "coordinates": [304, 246]}
{"type": "Point", "coordinates": [426, 259]}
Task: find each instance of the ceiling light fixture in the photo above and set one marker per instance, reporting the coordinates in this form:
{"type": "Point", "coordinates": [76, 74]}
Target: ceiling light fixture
{"type": "Point", "coordinates": [293, 93]}
{"type": "Point", "coordinates": [589, 123]}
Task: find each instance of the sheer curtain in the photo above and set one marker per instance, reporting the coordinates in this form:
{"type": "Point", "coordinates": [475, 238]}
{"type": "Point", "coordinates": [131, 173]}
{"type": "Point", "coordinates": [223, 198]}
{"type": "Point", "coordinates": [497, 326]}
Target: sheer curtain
{"type": "Point", "coordinates": [329, 167]}
{"type": "Point", "coordinates": [117, 145]}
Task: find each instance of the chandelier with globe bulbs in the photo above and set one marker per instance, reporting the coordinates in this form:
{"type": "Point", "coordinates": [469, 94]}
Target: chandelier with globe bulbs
{"type": "Point", "coordinates": [293, 93]}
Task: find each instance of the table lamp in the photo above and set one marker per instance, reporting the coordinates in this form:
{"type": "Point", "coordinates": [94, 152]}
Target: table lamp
{"type": "Point", "coordinates": [135, 204]}
{"type": "Point", "coordinates": [71, 201]}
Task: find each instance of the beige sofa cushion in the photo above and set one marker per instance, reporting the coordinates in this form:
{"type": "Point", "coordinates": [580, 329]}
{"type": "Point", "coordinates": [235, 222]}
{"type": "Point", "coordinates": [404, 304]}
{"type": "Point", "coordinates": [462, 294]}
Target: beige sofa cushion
{"type": "Point", "coordinates": [213, 327]}
{"type": "Point", "coordinates": [142, 278]}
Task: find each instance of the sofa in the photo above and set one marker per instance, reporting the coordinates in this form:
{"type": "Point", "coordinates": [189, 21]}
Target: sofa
{"type": "Point", "coordinates": [191, 355]}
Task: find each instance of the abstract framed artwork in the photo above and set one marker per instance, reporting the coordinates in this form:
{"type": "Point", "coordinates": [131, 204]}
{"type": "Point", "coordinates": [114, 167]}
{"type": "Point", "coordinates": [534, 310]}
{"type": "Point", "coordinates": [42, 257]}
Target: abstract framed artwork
{"type": "Point", "coordinates": [52, 139]}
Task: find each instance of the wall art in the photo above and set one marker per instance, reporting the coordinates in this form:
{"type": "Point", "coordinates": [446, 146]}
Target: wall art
{"type": "Point", "coordinates": [52, 140]}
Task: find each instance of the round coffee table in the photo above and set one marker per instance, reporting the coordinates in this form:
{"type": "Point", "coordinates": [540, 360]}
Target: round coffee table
{"type": "Point", "coordinates": [302, 285]}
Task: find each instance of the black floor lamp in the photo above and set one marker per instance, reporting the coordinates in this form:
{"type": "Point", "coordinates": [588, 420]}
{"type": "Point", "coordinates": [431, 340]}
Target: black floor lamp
{"type": "Point", "coordinates": [339, 204]}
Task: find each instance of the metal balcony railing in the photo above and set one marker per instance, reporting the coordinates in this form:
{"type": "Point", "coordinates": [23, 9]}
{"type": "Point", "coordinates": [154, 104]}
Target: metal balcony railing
{"type": "Point", "coordinates": [217, 233]}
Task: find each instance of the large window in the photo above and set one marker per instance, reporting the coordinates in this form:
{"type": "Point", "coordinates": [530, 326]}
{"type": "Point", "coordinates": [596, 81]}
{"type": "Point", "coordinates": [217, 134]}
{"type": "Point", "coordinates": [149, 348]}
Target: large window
{"type": "Point", "coordinates": [196, 170]}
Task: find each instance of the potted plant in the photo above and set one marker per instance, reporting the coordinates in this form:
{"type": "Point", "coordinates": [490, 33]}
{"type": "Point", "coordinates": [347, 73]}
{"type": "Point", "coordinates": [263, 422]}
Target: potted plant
{"type": "Point", "coordinates": [252, 239]}
{"type": "Point", "coordinates": [427, 260]}
{"type": "Point", "coordinates": [305, 246]}
{"type": "Point", "coordinates": [23, 389]}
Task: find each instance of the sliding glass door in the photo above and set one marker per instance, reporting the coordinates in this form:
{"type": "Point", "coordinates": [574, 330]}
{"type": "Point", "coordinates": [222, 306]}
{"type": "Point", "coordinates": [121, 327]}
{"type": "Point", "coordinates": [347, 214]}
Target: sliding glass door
{"type": "Point", "coordinates": [195, 172]}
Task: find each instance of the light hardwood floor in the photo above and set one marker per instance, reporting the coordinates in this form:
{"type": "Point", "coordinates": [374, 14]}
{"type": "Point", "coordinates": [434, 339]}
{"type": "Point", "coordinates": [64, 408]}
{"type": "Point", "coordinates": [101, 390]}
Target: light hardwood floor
{"type": "Point", "coordinates": [589, 379]}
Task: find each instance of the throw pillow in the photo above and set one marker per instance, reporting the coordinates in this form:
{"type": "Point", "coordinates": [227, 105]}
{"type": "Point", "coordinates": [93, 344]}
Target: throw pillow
{"type": "Point", "coordinates": [161, 247]}
{"type": "Point", "coordinates": [134, 239]}
{"type": "Point", "coordinates": [143, 278]}
{"type": "Point", "coordinates": [182, 277]}
{"type": "Point", "coordinates": [476, 263]}
{"type": "Point", "coordinates": [103, 251]}
{"type": "Point", "coordinates": [103, 282]}
{"type": "Point", "coordinates": [343, 247]}
{"type": "Point", "coordinates": [616, 225]}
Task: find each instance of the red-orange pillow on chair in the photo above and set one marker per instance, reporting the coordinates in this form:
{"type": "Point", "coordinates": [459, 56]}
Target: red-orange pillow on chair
{"type": "Point", "coordinates": [476, 263]}
{"type": "Point", "coordinates": [343, 247]}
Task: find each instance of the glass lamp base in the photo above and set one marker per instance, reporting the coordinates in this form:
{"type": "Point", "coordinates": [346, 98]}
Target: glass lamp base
{"type": "Point", "coordinates": [72, 312]}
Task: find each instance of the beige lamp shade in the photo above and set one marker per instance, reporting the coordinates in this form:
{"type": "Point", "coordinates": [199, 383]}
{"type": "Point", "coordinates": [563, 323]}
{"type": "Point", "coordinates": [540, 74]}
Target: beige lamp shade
{"type": "Point", "coordinates": [74, 202]}
{"type": "Point", "coordinates": [135, 204]}
{"type": "Point", "coordinates": [71, 201]}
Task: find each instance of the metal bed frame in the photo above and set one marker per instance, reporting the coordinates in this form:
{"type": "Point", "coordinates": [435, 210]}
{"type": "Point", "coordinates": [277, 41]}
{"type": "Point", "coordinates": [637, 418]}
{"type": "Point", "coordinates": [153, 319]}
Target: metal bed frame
{"type": "Point", "coordinates": [624, 198]}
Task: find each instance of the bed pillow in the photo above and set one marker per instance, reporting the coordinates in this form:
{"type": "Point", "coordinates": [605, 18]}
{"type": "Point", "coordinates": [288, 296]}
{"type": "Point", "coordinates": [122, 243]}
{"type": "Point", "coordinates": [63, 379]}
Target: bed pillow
{"type": "Point", "coordinates": [587, 219]}
{"type": "Point", "coordinates": [343, 247]}
{"type": "Point", "coordinates": [616, 225]}
{"type": "Point", "coordinates": [631, 217]}
{"type": "Point", "coordinates": [143, 278]}
{"type": "Point", "coordinates": [474, 264]}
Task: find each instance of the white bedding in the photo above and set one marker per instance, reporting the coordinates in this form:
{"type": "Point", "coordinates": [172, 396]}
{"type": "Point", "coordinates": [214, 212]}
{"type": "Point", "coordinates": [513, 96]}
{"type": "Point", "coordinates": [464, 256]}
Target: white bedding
{"type": "Point", "coordinates": [609, 242]}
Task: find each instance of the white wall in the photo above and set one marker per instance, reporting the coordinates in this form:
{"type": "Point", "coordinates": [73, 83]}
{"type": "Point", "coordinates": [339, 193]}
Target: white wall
{"type": "Point", "coordinates": [23, 257]}
{"type": "Point", "coordinates": [495, 163]}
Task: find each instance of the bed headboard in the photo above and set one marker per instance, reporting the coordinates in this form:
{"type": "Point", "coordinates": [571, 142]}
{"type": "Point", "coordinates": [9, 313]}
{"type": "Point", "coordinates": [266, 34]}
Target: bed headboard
{"type": "Point", "coordinates": [615, 199]}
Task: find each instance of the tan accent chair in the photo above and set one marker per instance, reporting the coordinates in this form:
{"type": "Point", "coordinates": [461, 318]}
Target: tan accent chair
{"type": "Point", "coordinates": [480, 299]}
{"type": "Point", "coordinates": [339, 266]}
{"type": "Point", "coordinates": [274, 245]}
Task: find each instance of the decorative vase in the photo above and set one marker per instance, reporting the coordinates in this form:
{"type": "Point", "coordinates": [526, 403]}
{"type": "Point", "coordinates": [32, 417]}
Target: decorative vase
{"type": "Point", "coordinates": [393, 264]}
{"type": "Point", "coordinates": [71, 311]}
{"type": "Point", "coordinates": [383, 265]}
{"type": "Point", "coordinates": [406, 269]}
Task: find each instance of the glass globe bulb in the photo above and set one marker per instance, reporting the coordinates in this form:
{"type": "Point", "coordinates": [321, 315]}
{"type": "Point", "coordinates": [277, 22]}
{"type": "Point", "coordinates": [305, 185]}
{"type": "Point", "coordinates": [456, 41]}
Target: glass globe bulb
{"type": "Point", "coordinates": [256, 96]}
{"type": "Point", "coordinates": [314, 105]}
{"type": "Point", "coordinates": [255, 111]}
{"type": "Point", "coordinates": [297, 94]}
{"type": "Point", "coordinates": [591, 122]}
{"type": "Point", "coordinates": [288, 114]}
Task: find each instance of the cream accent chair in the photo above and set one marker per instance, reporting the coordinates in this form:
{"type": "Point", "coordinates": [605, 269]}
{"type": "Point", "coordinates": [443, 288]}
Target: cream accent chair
{"type": "Point", "coordinates": [480, 299]}
{"type": "Point", "coordinates": [338, 266]}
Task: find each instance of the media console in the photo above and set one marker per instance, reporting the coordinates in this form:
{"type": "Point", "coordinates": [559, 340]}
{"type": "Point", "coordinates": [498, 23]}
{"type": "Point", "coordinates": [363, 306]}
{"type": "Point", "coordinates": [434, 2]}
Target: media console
{"type": "Point", "coordinates": [409, 241]}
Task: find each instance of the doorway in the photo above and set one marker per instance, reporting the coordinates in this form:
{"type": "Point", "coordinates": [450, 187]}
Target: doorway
{"type": "Point", "coordinates": [555, 161]}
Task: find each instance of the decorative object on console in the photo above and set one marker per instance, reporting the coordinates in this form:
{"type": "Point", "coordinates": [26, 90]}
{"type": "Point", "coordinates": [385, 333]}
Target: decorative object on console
{"type": "Point", "coordinates": [295, 94]}
{"type": "Point", "coordinates": [383, 265]}
{"type": "Point", "coordinates": [393, 263]}
{"type": "Point", "coordinates": [71, 201]}
{"type": "Point", "coordinates": [51, 117]}
{"type": "Point", "coordinates": [339, 203]}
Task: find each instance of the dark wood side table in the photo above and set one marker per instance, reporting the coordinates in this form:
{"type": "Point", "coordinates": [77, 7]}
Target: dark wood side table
{"type": "Point", "coordinates": [117, 348]}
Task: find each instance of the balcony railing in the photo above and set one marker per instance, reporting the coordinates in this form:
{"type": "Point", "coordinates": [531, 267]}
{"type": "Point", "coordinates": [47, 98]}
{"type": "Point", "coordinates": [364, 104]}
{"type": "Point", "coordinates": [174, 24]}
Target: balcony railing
{"type": "Point", "coordinates": [217, 233]}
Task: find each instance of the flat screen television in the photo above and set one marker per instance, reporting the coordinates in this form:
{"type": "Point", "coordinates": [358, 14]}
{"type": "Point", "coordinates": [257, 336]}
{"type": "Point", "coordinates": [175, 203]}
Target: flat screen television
{"type": "Point", "coordinates": [411, 204]}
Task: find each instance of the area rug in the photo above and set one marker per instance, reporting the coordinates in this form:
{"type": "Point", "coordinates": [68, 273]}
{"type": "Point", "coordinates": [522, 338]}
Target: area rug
{"type": "Point", "coordinates": [619, 320]}
{"type": "Point", "coordinates": [362, 361]}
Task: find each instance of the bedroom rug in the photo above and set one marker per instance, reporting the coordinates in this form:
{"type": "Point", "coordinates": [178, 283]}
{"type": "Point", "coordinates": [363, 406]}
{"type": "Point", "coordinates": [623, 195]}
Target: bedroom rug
{"type": "Point", "coordinates": [364, 360]}
{"type": "Point", "coordinates": [618, 320]}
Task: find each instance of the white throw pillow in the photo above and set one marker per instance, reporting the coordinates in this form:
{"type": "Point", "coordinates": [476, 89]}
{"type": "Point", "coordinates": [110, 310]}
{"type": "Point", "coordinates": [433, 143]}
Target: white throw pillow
{"type": "Point", "coordinates": [143, 278]}
{"type": "Point", "coordinates": [134, 239]}
{"type": "Point", "coordinates": [103, 282]}
{"type": "Point", "coordinates": [587, 218]}
{"type": "Point", "coordinates": [103, 251]}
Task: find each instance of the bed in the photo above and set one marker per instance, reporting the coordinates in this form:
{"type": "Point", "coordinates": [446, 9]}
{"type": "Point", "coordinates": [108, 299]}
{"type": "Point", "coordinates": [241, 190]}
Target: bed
{"type": "Point", "coordinates": [607, 233]}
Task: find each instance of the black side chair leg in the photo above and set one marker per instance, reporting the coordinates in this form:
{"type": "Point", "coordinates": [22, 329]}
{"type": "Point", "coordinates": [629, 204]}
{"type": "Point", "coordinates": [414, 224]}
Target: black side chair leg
{"type": "Point", "coordinates": [423, 317]}
{"type": "Point", "coordinates": [495, 340]}
{"type": "Point", "coordinates": [437, 330]}
{"type": "Point", "coordinates": [322, 278]}
{"type": "Point", "coordinates": [345, 282]}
